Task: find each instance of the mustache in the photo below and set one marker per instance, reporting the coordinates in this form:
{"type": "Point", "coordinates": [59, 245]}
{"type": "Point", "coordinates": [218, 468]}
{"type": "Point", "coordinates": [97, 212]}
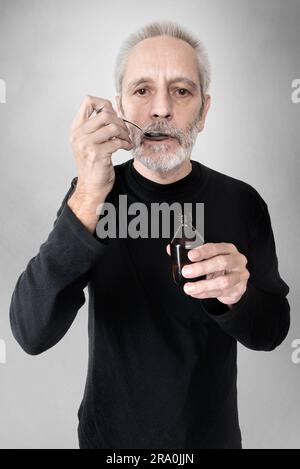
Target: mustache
{"type": "Point", "coordinates": [162, 127]}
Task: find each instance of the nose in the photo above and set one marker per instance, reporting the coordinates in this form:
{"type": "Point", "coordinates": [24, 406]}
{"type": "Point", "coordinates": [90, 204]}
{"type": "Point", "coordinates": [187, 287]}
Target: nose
{"type": "Point", "coordinates": [161, 106]}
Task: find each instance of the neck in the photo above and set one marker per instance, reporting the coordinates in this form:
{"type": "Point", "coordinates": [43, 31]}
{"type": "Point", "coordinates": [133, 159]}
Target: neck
{"type": "Point", "coordinates": [171, 176]}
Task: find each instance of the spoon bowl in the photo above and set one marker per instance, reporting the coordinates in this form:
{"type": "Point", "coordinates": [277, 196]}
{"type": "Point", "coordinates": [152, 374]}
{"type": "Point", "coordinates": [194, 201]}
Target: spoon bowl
{"type": "Point", "coordinates": [153, 135]}
{"type": "Point", "coordinates": [156, 135]}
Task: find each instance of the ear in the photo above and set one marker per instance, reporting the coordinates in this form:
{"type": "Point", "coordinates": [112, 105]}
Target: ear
{"type": "Point", "coordinates": [207, 101]}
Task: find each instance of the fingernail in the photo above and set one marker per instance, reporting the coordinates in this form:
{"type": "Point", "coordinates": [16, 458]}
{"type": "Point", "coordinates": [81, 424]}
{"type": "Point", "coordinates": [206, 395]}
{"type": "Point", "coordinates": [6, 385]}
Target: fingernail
{"type": "Point", "coordinates": [189, 288]}
{"type": "Point", "coordinates": [186, 271]}
{"type": "Point", "coordinates": [192, 255]}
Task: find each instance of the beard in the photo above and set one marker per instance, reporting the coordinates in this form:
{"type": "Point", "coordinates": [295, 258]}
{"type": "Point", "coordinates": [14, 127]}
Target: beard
{"type": "Point", "coordinates": [161, 157]}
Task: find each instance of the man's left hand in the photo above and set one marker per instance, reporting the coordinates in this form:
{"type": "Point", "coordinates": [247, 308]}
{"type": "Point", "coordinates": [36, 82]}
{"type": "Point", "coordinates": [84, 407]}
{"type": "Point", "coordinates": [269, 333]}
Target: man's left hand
{"type": "Point", "coordinates": [225, 268]}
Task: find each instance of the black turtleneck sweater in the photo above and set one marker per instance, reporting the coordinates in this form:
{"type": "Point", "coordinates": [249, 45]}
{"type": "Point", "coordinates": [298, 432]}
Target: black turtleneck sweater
{"type": "Point", "coordinates": [162, 365]}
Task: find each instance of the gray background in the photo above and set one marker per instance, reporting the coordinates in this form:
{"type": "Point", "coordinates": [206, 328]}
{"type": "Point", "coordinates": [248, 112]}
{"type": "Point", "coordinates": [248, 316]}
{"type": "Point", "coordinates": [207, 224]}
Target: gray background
{"type": "Point", "coordinates": [52, 53]}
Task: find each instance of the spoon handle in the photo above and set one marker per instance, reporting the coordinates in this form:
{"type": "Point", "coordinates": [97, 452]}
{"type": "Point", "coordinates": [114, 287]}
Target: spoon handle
{"type": "Point", "coordinates": [125, 120]}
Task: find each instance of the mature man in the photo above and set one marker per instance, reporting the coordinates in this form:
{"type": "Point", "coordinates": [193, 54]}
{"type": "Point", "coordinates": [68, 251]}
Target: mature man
{"type": "Point", "coordinates": [162, 359]}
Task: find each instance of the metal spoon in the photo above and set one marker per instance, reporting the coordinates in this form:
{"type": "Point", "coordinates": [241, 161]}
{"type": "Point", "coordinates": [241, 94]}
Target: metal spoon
{"type": "Point", "coordinates": [154, 135]}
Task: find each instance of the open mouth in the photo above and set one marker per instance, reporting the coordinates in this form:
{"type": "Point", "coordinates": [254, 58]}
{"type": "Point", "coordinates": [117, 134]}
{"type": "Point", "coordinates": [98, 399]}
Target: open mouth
{"type": "Point", "coordinates": [157, 136]}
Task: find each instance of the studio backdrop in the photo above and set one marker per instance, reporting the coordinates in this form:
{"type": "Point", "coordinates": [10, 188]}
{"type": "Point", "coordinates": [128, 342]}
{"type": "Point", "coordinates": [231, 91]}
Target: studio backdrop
{"type": "Point", "coordinates": [52, 54]}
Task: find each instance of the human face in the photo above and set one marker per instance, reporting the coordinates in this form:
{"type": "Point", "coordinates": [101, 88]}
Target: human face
{"type": "Point", "coordinates": [161, 91]}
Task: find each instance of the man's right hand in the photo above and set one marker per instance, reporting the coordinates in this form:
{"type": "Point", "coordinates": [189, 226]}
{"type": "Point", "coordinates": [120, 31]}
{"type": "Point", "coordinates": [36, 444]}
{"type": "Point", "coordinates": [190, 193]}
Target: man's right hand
{"type": "Point", "coordinates": [93, 141]}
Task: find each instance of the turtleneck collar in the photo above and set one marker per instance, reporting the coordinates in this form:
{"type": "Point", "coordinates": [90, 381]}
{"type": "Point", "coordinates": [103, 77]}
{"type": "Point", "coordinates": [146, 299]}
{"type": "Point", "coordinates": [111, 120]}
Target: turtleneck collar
{"type": "Point", "coordinates": [185, 188]}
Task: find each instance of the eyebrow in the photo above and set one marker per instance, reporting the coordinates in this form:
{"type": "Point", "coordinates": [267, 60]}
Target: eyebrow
{"type": "Point", "coordinates": [186, 80]}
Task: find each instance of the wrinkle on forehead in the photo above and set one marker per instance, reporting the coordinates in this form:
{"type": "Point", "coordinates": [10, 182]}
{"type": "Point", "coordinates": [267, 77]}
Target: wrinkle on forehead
{"type": "Point", "coordinates": [162, 58]}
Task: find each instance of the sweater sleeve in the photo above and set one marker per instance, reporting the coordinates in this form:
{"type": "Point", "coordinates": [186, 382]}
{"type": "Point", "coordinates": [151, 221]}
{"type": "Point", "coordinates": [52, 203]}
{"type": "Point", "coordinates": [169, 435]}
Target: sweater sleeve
{"type": "Point", "coordinates": [260, 320]}
{"type": "Point", "coordinates": [49, 293]}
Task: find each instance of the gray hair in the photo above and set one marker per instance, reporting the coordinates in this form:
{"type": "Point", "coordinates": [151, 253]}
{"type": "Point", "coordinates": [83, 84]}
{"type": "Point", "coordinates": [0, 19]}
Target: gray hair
{"type": "Point", "coordinates": [163, 28]}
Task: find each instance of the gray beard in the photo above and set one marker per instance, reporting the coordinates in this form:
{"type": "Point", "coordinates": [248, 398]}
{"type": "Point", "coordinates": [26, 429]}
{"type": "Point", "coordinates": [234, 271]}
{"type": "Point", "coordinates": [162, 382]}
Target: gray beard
{"type": "Point", "coordinates": [162, 159]}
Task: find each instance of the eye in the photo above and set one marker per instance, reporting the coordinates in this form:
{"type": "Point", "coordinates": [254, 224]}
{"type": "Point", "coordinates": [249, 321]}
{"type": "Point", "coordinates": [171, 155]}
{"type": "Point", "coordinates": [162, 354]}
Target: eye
{"type": "Point", "coordinates": [139, 91]}
{"type": "Point", "coordinates": [185, 91]}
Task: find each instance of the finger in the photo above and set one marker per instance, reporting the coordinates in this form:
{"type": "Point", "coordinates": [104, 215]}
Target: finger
{"type": "Point", "coordinates": [215, 274]}
{"type": "Point", "coordinates": [116, 144]}
{"type": "Point", "coordinates": [108, 132]}
{"type": "Point", "coordinates": [234, 292]}
{"type": "Point", "coordinates": [168, 249]}
{"type": "Point", "coordinates": [215, 264]}
{"type": "Point", "coordinates": [87, 107]}
{"type": "Point", "coordinates": [207, 250]}
{"type": "Point", "coordinates": [213, 286]}
{"type": "Point", "coordinates": [106, 116]}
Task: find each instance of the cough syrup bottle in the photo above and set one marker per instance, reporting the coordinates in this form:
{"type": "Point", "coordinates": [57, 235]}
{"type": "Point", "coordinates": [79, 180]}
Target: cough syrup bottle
{"type": "Point", "coordinates": [186, 237]}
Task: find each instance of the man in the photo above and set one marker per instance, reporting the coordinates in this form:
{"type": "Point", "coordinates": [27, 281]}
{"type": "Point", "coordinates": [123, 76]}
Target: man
{"type": "Point", "coordinates": [162, 359]}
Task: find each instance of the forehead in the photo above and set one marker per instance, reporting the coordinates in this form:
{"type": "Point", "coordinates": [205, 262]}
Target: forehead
{"type": "Point", "coordinates": [161, 57]}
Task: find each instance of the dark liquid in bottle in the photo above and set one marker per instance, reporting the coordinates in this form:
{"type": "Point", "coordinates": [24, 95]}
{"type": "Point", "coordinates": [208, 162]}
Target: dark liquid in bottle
{"type": "Point", "coordinates": [179, 256]}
